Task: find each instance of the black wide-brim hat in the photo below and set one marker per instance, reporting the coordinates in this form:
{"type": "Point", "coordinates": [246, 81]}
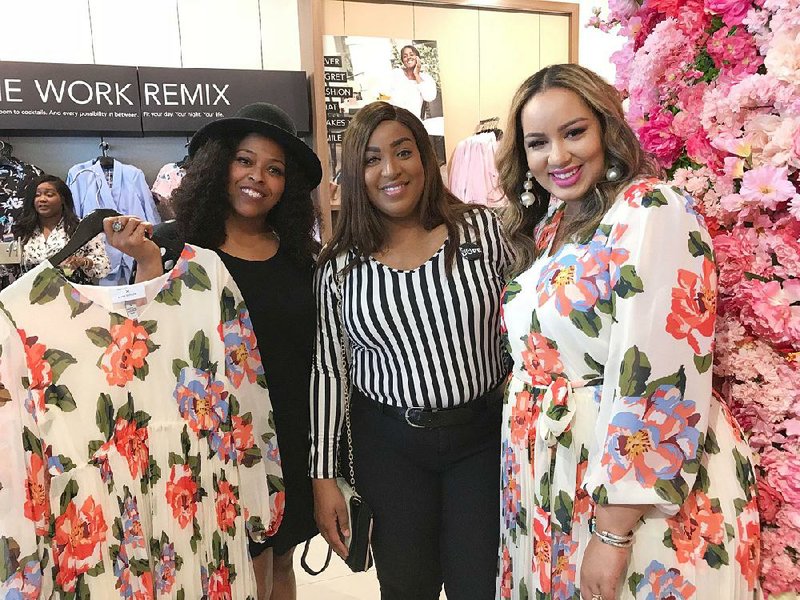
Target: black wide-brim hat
{"type": "Point", "coordinates": [270, 121]}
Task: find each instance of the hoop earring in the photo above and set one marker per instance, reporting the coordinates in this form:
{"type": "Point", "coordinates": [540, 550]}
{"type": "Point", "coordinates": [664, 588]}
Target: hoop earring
{"type": "Point", "coordinates": [526, 198]}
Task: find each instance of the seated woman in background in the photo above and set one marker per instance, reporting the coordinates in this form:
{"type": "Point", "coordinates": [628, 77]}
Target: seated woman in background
{"type": "Point", "coordinates": [47, 222]}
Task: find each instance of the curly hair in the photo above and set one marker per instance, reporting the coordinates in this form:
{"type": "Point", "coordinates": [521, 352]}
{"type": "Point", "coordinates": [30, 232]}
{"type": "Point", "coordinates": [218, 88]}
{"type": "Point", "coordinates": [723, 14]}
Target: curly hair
{"type": "Point", "coordinates": [621, 146]}
{"type": "Point", "coordinates": [201, 205]}
{"type": "Point", "coordinates": [360, 226]}
{"type": "Point", "coordinates": [26, 224]}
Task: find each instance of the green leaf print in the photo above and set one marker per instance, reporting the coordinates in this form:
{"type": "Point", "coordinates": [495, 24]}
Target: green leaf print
{"type": "Point", "coordinates": [597, 368]}
{"type": "Point", "coordinates": [140, 566]}
{"type": "Point", "coordinates": [672, 490]}
{"type": "Point", "coordinates": [711, 446]}
{"type": "Point", "coordinates": [177, 366]}
{"type": "Point", "coordinates": [117, 319]}
{"type": "Point", "coordinates": [744, 473]}
{"type": "Point", "coordinates": [228, 305]}
{"type": "Point", "coordinates": [544, 492]}
{"type": "Point", "coordinates": [563, 511]}
{"type": "Point", "coordinates": [716, 556]}
{"type": "Point", "coordinates": [607, 307]}
{"type": "Point", "coordinates": [10, 551]}
{"type": "Point", "coordinates": [82, 592]}
{"type": "Point", "coordinates": [58, 361]}
{"type": "Point", "coordinates": [199, 351]}
{"type": "Point", "coordinates": [522, 520]}
{"type": "Point", "coordinates": [65, 462]}
{"type": "Point", "coordinates": [31, 443]}
{"type": "Point", "coordinates": [702, 482]}
{"type": "Point", "coordinates": [653, 199]}
{"type": "Point", "coordinates": [76, 307]}
{"type": "Point", "coordinates": [142, 372]}
{"type": "Point", "coordinates": [174, 459]}
{"type": "Point", "coordinates": [677, 380]}
{"type": "Point", "coordinates": [565, 439]}
{"type": "Point", "coordinates": [667, 541]}
{"type": "Point", "coordinates": [536, 327]}
{"type": "Point", "coordinates": [154, 470]}
{"type": "Point", "coordinates": [605, 229]}
{"type": "Point", "coordinates": [697, 247]}
{"type": "Point", "coordinates": [100, 337]}
{"type": "Point", "coordinates": [46, 287]}
{"type": "Point", "coordinates": [171, 295]}
{"type": "Point", "coordinates": [196, 278]}
{"type": "Point", "coordinates": [634, 372]}
{"type": "Point", "coordinates": [185, 442]}
{"type": "Point", "coordinates": [633, 582]}
{"type": "Point", "coordinates": [600, 495]}
{"type": "Point", "coordinates": [92, 447]}
{"type": "Point", "coordinates": [523, 590]}
{"type": "Point", "coordinates": [512, 289]}
{"type": "Point", "coordinates": [60, 396]}
{"type": "Point", "coordinates": [70, 491]}
{"type": "Point", "coordinates": [150, 326]}
{"type": "Point", "coordinates": [275, 484]}
{"type": "Point", "coordinates": [729, 531]}
{"type": "Point", "coordinates": [629, 283]}
{"type": "Point", "coordinates": [181, 595]}
{"type": "Point", "coordinates": [703, 363]}
{"type": "Point", "coordinates": [96, 570]}
{"type": "Point", "coordinates": [588, 322]}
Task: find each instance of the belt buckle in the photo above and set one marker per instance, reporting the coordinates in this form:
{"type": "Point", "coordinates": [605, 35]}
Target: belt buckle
{"type": "Point", "coordinates": [408, 412]}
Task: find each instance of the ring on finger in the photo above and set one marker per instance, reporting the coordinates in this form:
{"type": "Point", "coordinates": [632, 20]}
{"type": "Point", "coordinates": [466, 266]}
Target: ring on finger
{"type": "Point", "coordinates": [117, 226]}
{"type": "Point", "coordinates": [597, 596]}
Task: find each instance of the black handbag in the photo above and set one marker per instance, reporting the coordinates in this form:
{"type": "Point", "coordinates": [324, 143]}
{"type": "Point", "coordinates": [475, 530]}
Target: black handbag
{"type": "Point", "coordinates": [359, 514]}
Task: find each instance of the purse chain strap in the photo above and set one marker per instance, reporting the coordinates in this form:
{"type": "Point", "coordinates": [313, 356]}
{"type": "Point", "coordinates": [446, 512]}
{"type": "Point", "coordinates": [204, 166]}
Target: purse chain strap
{"type": "Point", "coordinates": [345, 375]}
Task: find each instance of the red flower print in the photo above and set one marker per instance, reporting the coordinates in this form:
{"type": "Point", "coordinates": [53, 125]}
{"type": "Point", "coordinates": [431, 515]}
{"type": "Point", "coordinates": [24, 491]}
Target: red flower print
{"type": "Point", "coordinates": [277, 513]}
{"type": "Point", "coordinates": [219, 585]}
{"type": "Point", "coordinates": [37, 494]}
{"type": "Point", "coordinates": [41, 375]}
{"type": "Point", "coordinates": [694, 306]}
{"type": "Point", "coordinates": [182, 494]}
{"type": "Point", "coordinates": [127, 352]}
{"type": "Point", "coordinates": [697, 525]}
{"type": "Point", "coordinates": [583, 503]}
{"type": "Point", "coordinates": [542, 548]}
{"type": "Point", "coordinates": [76, 543]}
{"type": "Point", "coordinates": [541, 359]}
{"type": "Point", "coordinates": [634, 194]}
{"type": "Point", "coordinates": [544, 234]}
{"type": "Point", "coordinates": [748, 552]}
{"type": "Point", "coordinates": [227, 506]}
{"type": "Point", "coordinates": [524, 415]}
{"type": "Point", "coordinates": [131, 442]}
{"type": "Point", "coordinates": [506, 577]}
{"type": "Point", "coordinates": [242, 435]}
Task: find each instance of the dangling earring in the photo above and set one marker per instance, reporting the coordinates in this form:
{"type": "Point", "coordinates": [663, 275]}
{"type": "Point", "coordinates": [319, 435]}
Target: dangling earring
{"type": "Point", "coordinates": [613, 173]}
{"type": "Point", "coordinates": [527, 198]}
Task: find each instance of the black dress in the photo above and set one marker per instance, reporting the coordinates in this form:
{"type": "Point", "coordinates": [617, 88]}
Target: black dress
{"type": "Point", "coordinates": [280, 298]}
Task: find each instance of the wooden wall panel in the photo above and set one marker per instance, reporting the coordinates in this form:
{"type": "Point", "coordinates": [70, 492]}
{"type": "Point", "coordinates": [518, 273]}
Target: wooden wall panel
{"type": "Point", "coordinates": [553, 40]}
{"type": "Point", "coordinates": [382, 20]}
{"type": "Point", "coordinates": [457, 32]}
{"type": "Point", "coordinates": [509, 43]}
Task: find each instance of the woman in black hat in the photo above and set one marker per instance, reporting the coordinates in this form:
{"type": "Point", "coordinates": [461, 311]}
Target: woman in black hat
{"type": "Point", "coordinates": [247, 194]}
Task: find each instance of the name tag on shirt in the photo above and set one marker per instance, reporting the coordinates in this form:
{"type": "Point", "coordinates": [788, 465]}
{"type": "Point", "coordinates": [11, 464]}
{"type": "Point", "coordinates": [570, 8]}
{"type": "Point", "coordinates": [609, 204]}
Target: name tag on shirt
{"type": "Point", "coordinates": [470, 251]}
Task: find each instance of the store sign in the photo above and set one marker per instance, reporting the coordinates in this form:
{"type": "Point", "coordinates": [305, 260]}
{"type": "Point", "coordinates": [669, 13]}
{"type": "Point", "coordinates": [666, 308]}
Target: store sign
{"type": "Point", "coordinates": [46, 98]}
{"type": "Point", "coordinates": [86, 98]}
{"type": "Point", "coordinates": [183, 100]}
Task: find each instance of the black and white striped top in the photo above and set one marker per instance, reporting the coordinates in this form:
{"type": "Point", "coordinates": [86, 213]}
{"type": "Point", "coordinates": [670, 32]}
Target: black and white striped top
{"type": "Point", "coordinates": [420, 337]}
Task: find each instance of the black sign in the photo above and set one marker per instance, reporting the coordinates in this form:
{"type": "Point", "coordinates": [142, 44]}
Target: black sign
{"type": "Point", "coordinates": [55, 97]}
{"type": "Point", "coordinates": [335, 137]}
{"type": "Point", "coordinates": [336, 76]}
{"type": "Point", "coordinates": [332, 61]}
{"type": "Point", "coordinates": [332, 107]}
{"type": "Point", "coordinates": [338, 92]}
{"type": "Point", "coordinates": [338, 122]}
{"type": "Point", "coordinates": [183, 100]}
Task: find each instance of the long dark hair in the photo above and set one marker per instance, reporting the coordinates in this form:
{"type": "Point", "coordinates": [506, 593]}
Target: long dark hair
{"type": "Point", "coordinates": [25, 226]}
{"type": "Point", "coordinates": [621, 146]}
{"type": "Point", "coordinates": [360, 226]}
{"type": "Point", "coordinates": [202, 207]}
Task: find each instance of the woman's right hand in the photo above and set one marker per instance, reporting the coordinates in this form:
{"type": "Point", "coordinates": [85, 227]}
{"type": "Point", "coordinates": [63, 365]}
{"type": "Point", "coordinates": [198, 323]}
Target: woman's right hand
{"type": "Point", "coordinates": [330, 512]}
{"type": "Point", "coordinates": [134, 240]}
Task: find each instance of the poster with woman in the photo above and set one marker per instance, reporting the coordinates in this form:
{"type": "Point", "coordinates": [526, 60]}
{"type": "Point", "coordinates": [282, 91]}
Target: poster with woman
{"type": "Point", "coordinates": [403, 72]}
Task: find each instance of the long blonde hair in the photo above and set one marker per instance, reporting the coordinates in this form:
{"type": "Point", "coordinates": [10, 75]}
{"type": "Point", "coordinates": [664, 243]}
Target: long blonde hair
{"type": "Point", "coordinates": [622, 149]}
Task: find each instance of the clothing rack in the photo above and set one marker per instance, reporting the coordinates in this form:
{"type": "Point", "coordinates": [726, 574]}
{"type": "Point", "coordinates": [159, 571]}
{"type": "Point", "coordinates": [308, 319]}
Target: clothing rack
{"type": "Point", "coordinates": [490, 125]}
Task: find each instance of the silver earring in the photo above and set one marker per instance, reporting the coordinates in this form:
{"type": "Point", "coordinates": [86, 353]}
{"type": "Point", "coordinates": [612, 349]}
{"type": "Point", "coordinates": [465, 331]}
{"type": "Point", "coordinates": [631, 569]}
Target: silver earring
{"type": "Point", "coordinates": [526, 198]}
{"type": "Point", "coordinates": [613, 173]}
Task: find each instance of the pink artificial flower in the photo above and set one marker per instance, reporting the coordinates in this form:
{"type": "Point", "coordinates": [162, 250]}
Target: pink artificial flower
{"type": "Point", "coordinates": [783, 57]}
{"type": "Point", "coordinates": [622, 10]}
{"type": "Point", "coordinates": [734, 50]}
{"type": "Point", "coordinates": [733, 12]}
{"type": "Point", "coordinates": [772, 310]}
{"type": "Point", "coordinates": [794, 207]}
{"type": "Point", "coordinates": [657, 138]}
{"type": "Point", "coordinates": [782, 469]}
{"type": "Point", "coordinates": [767, 186]}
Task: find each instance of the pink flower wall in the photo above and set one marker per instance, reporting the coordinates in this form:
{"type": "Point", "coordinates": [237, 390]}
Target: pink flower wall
{"type": "Point", "coordinates": [713, 90]}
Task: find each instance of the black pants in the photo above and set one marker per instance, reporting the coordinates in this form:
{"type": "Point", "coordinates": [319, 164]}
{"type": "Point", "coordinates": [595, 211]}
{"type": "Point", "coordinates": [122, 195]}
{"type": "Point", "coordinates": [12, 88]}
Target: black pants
{"type": "Point", "coordinates": [436, 502]}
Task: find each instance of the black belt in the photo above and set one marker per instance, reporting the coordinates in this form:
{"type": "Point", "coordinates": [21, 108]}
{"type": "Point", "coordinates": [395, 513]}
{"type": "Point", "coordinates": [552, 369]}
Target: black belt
{"type": "Point", "coordinates": [432, 418]}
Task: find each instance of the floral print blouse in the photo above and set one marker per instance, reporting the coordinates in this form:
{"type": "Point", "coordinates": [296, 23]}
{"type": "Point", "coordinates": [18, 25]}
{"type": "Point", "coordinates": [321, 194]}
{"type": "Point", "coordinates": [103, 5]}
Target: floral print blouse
{"type": "Point", "coordinates": [39, 248]}
{"type": "Point", "coordinates": [138, 444]}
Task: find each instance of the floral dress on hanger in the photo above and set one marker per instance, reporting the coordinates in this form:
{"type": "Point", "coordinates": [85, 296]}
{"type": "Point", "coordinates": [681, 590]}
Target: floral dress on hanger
{"type": "Point", "coordinates": [137, 441]}
{"type": "Point", "coordinates": [610, 402]}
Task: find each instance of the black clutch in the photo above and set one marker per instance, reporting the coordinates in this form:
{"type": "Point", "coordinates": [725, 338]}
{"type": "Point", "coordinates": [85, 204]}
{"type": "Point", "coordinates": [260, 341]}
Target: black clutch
{"type": "Point", "coordinates": [359, 544]}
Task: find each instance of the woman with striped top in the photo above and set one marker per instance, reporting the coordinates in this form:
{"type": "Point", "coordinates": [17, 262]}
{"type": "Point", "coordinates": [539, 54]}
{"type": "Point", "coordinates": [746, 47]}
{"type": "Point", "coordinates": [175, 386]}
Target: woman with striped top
{"type": "Point", "coordinates": [412, 278]}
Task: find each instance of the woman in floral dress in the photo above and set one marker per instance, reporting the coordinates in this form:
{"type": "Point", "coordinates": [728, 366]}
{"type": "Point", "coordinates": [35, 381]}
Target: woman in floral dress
{"type": "Point", "coordinates": [609, 415]}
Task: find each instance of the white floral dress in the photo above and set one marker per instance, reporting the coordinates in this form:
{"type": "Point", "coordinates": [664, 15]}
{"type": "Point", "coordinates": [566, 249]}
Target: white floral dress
{"type": "Point", "coordinates": [137, 441]}
{"type": "Point", "coordinates": [610, 402]}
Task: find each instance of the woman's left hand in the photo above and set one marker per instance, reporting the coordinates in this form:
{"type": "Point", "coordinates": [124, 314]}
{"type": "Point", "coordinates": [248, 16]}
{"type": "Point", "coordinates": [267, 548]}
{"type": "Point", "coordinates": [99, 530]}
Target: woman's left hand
{"type": "Point", "coordinates": [602, 569]}
{"type": "Point", "coordinates": [77, 263]}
